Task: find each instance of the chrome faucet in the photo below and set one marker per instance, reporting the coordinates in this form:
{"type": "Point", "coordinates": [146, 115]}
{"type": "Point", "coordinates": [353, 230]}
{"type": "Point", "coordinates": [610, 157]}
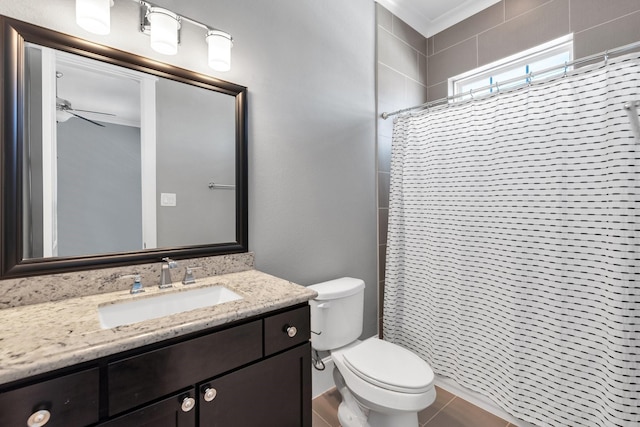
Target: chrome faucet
{"type": "Point", "coordinates": [189, 278]}
{"type": "Point", "coordinates": [165, 274]}
{"type": "Point", "coordinates": [137, 287]}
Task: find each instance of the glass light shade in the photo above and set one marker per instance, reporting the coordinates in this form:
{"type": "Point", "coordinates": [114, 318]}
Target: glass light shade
{"type": "Point", "coordinates": [164, 30]}
{"type": "Point", "coordinates": [219, 50]}
{"type": "Point", "coordinates": [94, 15]}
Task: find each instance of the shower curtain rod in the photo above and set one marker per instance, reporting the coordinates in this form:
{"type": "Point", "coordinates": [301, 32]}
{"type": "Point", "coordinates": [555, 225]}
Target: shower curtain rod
{"type": "Point", "coordinates": [604, 55]}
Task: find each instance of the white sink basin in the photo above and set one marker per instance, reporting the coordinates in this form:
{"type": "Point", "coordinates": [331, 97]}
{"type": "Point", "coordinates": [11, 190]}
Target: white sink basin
{"type": "Point", "coordinates": [145, 308]}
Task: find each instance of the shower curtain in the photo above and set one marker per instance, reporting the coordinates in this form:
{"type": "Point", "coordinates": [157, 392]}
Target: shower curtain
{"type": "Point", "coordinates": [512, 252]}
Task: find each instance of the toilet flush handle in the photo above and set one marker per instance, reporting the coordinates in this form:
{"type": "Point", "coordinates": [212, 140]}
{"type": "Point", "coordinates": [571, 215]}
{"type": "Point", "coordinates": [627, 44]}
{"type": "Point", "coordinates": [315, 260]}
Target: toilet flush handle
{"type": "Point", "coordinates": [323, 305]}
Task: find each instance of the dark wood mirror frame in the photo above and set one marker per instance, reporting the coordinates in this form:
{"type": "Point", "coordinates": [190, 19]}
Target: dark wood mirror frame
{"type": "Point", "coordinates": [13, 35]}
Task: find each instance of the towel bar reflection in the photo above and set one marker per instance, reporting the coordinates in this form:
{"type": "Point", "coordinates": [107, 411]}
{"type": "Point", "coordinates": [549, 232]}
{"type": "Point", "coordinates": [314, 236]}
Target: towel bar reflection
{"type": "Point", "coordinates": [213, 186]}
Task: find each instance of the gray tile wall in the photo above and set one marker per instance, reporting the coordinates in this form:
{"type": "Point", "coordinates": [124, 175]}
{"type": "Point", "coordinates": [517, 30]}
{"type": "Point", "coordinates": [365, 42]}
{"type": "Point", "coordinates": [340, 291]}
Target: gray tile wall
{"type": "Point", "coordinates": [511, 26]}
{"type": "Point", "coordinates": [401, 81]}
{"type": "Point", "coordinates": [412, 70]}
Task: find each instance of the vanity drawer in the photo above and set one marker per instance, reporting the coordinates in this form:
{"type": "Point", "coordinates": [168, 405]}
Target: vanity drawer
{"type": "Point", "coordinates": [279, 332]}
{"type": "Point", "coordinates": [71, 400]}
{"type": "Point", "coordinates": [139, 379]}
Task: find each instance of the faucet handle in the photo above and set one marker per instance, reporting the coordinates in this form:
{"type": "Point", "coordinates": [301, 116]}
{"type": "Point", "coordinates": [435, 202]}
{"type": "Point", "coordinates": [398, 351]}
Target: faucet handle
{"type": "Point", "coordinates": [189, 279]}
{"type": "Point", "coordinates": [170, 263]}
{"type": "Point", "coordinates": [137, 287]}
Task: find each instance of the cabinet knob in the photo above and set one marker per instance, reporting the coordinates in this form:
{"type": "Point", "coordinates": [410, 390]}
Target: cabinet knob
{"type": "Point", "coordinates": [39, 418]}
{"type": "Point", "coordinates": [188, 403]}
{"type": "Point", "coordinates": [210, 393]}
{"type": "Point", "coordinates": [291, 331]}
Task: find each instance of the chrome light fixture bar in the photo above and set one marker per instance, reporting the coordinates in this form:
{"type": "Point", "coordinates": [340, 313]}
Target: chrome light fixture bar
{"type": "Point", "coordinates": [162, 25]}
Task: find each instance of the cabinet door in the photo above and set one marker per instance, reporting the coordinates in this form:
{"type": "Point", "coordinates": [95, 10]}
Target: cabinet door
{"type": "Point", "coordinates": [275, 392]}
{"type": "Point", "coordinates": [67, 401]}
{"type": "Point", "coordinates": [140, 379]}
{"type": "Point", "coordinates": [174, 411]}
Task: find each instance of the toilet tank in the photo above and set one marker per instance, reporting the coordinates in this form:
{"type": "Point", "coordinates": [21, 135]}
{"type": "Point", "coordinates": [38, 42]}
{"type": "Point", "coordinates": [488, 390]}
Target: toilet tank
{"type": "Point", "coordinates": [336, 313]}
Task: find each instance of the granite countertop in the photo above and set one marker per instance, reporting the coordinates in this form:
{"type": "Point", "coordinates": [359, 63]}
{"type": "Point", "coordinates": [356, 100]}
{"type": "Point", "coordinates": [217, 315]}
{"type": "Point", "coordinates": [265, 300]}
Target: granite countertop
{"type": "Point", "coordinates": [43, 337]}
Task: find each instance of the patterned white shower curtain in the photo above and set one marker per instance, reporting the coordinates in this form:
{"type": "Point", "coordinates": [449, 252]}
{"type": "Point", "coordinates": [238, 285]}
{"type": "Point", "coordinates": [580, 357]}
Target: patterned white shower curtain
{"type": "Point", "coordinates": [513, 247]}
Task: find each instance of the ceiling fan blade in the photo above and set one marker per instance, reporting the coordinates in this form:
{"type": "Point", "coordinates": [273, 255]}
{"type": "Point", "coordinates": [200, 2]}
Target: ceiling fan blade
{"type": "Point", "coordinates": [84, 118]}
{"type": "Point", "coordinates": [94, 112]}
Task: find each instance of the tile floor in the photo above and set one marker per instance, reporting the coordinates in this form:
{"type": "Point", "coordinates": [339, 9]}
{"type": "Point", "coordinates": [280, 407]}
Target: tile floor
{"type": "Point", "coordinates": [447, 411]}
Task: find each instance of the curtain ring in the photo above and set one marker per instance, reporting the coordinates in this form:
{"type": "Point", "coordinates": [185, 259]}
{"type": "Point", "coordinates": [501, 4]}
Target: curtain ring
{"type": "Point", "coordinates": [530, 78]}
{"type": "Point", "coordinates": [565, 69]}
{"type": "Point", "coordinates": [606, 56]}
{"type": "Point", "coordinates": [497, 87]}
{"type": "Point", "coordinates": [471, 93]}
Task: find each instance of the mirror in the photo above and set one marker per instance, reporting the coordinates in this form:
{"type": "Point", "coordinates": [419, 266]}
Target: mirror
{"type": "Point", "coordinates": [113, 159]}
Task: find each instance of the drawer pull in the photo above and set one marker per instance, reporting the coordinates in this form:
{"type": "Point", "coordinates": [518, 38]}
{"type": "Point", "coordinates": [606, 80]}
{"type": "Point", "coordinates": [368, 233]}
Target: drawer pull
{"type": "Point", "coordinates": [188, 403]}
{"type": "Point", "coordinates": [39, 418]}
{"type": "Point", "coordinates": [291, 331]}
{"type": "Point", "coordinates": [210, 394]}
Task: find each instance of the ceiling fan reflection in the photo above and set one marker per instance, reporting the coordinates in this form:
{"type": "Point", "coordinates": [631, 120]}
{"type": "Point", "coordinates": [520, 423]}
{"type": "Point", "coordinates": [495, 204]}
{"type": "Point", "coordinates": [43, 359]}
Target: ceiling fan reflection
{"type": "Point", "coordinates": [64, 109]}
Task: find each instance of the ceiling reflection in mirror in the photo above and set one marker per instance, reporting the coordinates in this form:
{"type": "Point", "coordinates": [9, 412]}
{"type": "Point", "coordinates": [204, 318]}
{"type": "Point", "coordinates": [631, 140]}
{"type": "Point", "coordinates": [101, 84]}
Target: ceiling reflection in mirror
{"type": "Point", "coordinates": [116, 160]}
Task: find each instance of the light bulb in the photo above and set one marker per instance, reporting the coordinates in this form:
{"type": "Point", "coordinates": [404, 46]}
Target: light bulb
{"type": "Point", "coordinates": [164, 30]}
{"type": "Point", "coordinates": [220, 44]}
{"type": "Point", "coordinates": [94, 15]}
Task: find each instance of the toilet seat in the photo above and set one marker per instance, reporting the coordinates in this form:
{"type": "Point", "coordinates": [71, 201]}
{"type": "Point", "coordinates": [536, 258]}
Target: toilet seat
{"type": "Point", "coordinates": [381, 398]}
{"type": "Point", "coordinates": [389, 366]}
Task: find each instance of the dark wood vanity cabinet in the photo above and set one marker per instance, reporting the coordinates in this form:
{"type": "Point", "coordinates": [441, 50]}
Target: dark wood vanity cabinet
{"type": "Point", "coordinates": [168, 412]}
{"type": "Point", "coordinates": [66, 400]}
{"type": "Point", "coordinates": [270, 393]}
{"type": "Point", "coordinates": [254, 373]}
{"type": "Point", "coordinates": [144, 377]}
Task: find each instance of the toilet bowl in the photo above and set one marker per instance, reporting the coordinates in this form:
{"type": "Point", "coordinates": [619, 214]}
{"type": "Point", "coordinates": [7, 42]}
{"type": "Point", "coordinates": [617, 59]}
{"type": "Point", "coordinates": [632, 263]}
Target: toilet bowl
{"type": "Point", "coordinates": [392, 383]}
{"type": "Point", "coordinates": [381, 383]}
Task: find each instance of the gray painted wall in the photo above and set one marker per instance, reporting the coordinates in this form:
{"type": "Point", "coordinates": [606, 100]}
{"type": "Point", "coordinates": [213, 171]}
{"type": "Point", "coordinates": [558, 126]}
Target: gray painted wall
{"type": "Point", "coordinates": [99, 188]}
{"type": "Point", "coordinates": [195, 145]}
{"type": "Point", "coordinates": [309, 67]}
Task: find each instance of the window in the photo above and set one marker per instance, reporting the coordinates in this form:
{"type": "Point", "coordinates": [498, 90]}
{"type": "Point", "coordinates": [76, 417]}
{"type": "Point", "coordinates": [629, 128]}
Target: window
{"type": "Point", "coordinates": [508, 70]}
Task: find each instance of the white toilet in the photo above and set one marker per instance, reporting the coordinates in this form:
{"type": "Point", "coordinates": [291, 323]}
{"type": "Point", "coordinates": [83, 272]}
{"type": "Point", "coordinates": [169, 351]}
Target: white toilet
{"type": "Point", "coordinates": [382, 384]}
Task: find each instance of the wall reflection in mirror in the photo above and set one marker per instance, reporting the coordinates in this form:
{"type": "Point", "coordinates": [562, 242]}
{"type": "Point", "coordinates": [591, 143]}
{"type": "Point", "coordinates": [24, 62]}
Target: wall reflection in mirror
{"type": "Point", "coordinates": [117, 160]}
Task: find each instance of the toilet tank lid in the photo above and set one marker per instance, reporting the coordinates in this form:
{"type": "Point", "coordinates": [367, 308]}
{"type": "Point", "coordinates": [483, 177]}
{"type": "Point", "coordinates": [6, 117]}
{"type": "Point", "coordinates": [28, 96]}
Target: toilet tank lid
{"type": "Point", "coordinates": [337, 288]}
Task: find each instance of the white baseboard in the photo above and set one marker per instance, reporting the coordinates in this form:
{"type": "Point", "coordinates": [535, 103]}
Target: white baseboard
{"type": "Point", "coordinates": [322, 381]}
{"type": "Point", "coordinates": [478, 399]}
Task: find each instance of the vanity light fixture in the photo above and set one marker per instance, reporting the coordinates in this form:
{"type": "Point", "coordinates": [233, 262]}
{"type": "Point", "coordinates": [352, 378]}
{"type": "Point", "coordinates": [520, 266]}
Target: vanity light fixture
{"type": "Point", "coordinates": [163, 27]}
{"type": "Point", "coordinates": [220, 44]}
{"type": "Point", "coordinates": [94, 15]}
{"type": "Point", "coordinates": [164, 30]}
